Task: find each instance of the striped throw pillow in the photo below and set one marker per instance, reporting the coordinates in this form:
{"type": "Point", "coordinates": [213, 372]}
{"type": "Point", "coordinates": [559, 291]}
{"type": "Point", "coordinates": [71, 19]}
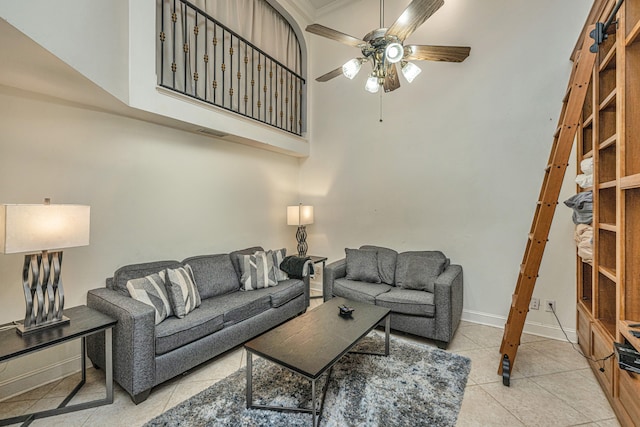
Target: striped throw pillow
{"type": "Point", "coordinates": [151, 291]}
{"type": "Point", "coordinates": [181, 289]}
{"type": "Point", "coordinates": [278, 256]}
{"type": "Point", "coordinates": [257, 270]}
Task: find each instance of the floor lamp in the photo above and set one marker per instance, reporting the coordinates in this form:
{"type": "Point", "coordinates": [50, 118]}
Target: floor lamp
{"type": "Point", "coordinates": [36, 230]}
{"type": "Point", "coordinates": [301, 216]}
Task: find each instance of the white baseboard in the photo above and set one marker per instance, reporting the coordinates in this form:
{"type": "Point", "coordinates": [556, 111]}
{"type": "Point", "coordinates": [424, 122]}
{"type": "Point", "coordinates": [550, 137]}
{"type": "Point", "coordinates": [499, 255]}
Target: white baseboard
{"type": "Point", "coordinates": [30, 380]}
{"type": "Point", "coordinates": [533, 328]}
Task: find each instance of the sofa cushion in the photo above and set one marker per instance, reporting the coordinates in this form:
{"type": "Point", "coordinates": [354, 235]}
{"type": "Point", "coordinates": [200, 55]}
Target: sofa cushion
{"type": "Point", "coordinates": [214, 274]}
{"type": "Point", "coordinates": [285, 291]}
{"type": "Point", "coordinates": [174, 332]}
{"type": "Point", "coordinates": [359, 291]}
{"type": "Point", "coordinates": [362, 265]}
{"type": "Point", "coordinates": [278, 256]}
{"type": "Point", "coordinates": [386, 263]}
{"type": "Point", "coordinates": [137, 271]}
{"type": "Point", "coordinates": [257, 271]}
{"type": "Point", "coordinates": [238, 306]}
{"type": "Point", "coordinates": [407, 301]}
{"type": "Point", "coordinates": [182, 292]}
{"type": "Point", "coordinates": [151, 291]}
{"type": "Point", "coordinates": [236, 262]}
{"type": "Point", "coordinates": [419, 270]}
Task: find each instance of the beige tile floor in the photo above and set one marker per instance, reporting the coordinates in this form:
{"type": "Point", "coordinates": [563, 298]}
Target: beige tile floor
{"type": "Point", "coordinates": [551, 386]}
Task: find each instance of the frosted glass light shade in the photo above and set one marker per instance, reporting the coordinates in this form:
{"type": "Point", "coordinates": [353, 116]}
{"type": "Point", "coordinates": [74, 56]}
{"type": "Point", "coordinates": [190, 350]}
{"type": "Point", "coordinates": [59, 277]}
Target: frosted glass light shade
{"type": "Point", "coordinates": [394, 52]}
{"type": "Point", "coordinates": [351, 68]}
{"type": "Point", "coordinates": [372, 84]}
{"type": "Point", "coordinates": [299, 215]}
{"type": "Point", "coordinates": [410, 71]}
{"type": "Point", "coordinates": [35, 228]}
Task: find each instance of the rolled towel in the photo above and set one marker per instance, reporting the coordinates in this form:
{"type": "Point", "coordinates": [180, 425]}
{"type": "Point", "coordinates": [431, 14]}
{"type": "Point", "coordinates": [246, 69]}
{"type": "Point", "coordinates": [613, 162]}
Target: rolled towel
{"type": "Point", "coordinates": [586, 166]}
{"type": "Point", "coordinates": [584, 180]}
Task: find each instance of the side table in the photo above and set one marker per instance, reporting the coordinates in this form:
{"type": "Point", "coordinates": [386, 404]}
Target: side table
{"type": "Point", "coordinates": [84, 321]}
{"type": "Point", "coordinates": [317, 260]}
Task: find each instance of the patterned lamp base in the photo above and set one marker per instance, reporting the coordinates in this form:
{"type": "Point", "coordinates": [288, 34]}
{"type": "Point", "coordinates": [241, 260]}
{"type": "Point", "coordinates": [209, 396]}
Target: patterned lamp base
{"type": "Point", "coordinates": [43, 293]}
{"type": "Point", "coordinates": [301, 237]}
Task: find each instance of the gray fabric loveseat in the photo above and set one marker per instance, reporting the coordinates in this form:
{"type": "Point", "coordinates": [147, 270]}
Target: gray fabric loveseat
{"type": "Point", "coordinates": [422, 289]}
{"type": "Point", "coordinates": [147, 352]}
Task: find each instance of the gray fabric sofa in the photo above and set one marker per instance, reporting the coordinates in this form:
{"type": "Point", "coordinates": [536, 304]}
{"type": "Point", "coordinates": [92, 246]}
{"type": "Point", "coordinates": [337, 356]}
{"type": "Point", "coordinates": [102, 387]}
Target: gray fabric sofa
{"type": "Point", "coordinates": [146, 354]}
{"type": "Point", "coordinates": [422, 289]}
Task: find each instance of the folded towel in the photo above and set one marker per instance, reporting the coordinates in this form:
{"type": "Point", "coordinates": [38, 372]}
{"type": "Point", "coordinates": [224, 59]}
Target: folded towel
{"type": "Point", "coordinates": [584, 180]}
{"type": "Point", "coordinates": [582, 205]}
{"type": "Point", "coordinates": [586, 166]}
{"type": "Point", "coordinates": [297, 267]}
{"type": "Point", "coordinates": [584, 241]}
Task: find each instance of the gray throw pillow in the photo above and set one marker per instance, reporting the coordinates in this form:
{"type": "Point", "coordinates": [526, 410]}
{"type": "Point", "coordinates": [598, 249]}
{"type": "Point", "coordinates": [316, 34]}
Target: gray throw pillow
{"type": "Point", "coordinates": [386, 262]}
{"type": "Point", "coordinates": [419, 270]}
{"type": "Point", "coordinates": [181, 289]}
{"type": "Point", "coordinates": [362, 265]}
{"type": "Point", "coordinates": [151, 291]}
{"type": "Point", "coordinates": [278, 256]}
{"type": "Point", "coordinates": [257, 271]}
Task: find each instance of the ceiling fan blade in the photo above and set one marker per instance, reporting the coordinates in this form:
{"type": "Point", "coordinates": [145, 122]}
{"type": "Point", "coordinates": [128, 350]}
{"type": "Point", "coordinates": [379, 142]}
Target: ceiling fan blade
{"type": "Point", "coordinates": [413, 16]}
{"type": "Point", "coordinates": [330, 75]}
{"type": "Point", "coordinates": [391, 81]}
{"type": "Point", "coordinates": [332, 34]}
{"type": "Point", "coordinates": [437, 53]}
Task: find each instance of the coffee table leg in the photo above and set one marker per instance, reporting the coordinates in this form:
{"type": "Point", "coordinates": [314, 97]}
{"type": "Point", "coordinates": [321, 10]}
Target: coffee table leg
{"type": "Point", "coordinates": [249, 375]}
{"type": "Point", "coordinates": [314, 412]}
{"type": "Point", "coordinates": [387, 331]}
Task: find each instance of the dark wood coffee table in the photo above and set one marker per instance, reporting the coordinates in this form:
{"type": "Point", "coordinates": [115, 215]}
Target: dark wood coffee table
{"type": "Point", "coordinates": [311, 344]}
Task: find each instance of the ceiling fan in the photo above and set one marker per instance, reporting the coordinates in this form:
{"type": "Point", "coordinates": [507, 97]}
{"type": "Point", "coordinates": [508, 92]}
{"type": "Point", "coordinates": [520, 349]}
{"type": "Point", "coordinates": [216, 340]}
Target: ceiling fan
{"type": "Point", "coordinates": [385, 48]}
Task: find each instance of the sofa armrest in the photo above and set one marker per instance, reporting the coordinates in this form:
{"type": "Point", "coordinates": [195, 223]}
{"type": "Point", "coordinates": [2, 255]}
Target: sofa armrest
{"type": "Point", "coordinates": [448, 301]}
{"type": "Point", "coordinates": [333, 271]}
{"type": "Point", "coordinates": [133, 339]}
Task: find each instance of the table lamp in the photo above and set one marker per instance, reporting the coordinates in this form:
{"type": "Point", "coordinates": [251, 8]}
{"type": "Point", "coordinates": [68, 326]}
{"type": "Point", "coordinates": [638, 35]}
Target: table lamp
{"type": "Point", "coordinates": [36, 229]}
{"type": "Point", "coordinates": [301, 216]}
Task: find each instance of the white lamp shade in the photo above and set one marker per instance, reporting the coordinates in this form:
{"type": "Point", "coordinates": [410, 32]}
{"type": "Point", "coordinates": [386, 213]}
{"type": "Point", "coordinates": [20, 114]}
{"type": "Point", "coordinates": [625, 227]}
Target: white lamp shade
{"type": "Point", "coordinates": [350, 68]}
{"type": "Point", "coordinates": [35, 228]}
{"type": "Point", "coordinates": [299, 215]}
{"type": "Point", "coordinates": [410, 71]}
{"type": "Point", "coordinates": [372, 84]}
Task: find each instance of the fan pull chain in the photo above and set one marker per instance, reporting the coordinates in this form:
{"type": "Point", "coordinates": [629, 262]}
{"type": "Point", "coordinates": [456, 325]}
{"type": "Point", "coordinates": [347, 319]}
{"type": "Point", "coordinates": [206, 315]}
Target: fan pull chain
{"type": "Point", "coordinates": [380, 107]}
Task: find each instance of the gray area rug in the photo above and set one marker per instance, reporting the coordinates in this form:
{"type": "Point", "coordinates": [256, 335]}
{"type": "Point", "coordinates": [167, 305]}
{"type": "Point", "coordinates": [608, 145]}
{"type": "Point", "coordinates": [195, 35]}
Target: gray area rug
{"type": "Point", "coordinates": [416, 385]}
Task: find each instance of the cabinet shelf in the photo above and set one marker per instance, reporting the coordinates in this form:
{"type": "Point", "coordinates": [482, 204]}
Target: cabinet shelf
{"type": "Point", "coordinates": [633, 35]}
{"type": "Point", "coordinates": [607, 184]}
{"type": "Point", "coordinates": [588, 122]}
{"type": "Point", "coordinates": [609, 273]}
{"type": "Point", "coordinates": [609, 61]}
{"type": "Point", "coordinates": [609, 101]}
{"type": "Point", "coordinates": [608, 227]}
{"type": "Point", "coordinates": [609, 141]}
{"type": "Point", "coordinates": [630, 181]}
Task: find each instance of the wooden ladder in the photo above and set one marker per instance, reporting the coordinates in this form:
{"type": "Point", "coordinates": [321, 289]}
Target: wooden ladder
{"type": "Point", "coordinates": [546, 206]}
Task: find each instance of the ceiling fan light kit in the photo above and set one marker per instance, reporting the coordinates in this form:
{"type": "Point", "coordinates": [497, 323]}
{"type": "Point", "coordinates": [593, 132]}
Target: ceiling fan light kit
{"type": "Point", "coordinates": [372, 84]}
{"type": "Point", "coordinates": [410, 71]}
{"type": "Point", "coordinates": [384, 47]}
{"type": "Point", "coordinates": [351, 68]}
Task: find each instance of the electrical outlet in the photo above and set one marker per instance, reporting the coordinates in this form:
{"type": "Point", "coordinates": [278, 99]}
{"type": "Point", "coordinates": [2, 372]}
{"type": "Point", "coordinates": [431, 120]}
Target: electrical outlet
{"type": "Point", "coordinates": [549, 305]}
{"type": "Point", "coordinates": [534, 304]}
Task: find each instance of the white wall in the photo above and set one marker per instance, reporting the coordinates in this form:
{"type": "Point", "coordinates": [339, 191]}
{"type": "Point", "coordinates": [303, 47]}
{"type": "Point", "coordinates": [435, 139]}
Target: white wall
{"type": "Point", "coordinates": [155, 193]}
{"type": "Point", "coordinates": [92, 37]}
{"type": "Point", "coordinates": [458, 161]}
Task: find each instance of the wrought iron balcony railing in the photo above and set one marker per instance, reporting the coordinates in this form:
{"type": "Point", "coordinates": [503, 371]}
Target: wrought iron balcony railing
{"type": "Point", "coordinates": [203, 59]}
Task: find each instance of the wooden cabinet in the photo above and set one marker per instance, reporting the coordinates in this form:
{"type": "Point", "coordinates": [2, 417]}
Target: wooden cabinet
{"type": "Point", "coordinates": [608, 287]}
